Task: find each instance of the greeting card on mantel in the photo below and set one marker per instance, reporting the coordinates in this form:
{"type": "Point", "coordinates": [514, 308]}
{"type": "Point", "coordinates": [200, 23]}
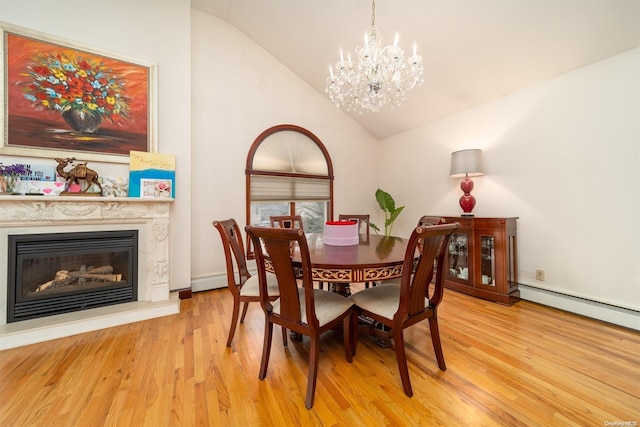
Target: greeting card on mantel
{"type": "Point", "coordinates": [152, 175]}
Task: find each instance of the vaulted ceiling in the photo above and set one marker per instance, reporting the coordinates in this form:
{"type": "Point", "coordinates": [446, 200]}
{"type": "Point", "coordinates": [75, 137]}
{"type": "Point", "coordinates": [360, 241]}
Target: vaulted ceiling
{"type": "Point", "coordinates": [473, 50]}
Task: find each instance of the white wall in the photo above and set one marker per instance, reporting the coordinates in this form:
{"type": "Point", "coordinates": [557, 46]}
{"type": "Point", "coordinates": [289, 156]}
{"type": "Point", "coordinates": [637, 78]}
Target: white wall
{"type": "Point", "coordinates": [564, 157]}
{"type": "Point", "coordinates": [156, 32]}
{"type": "Point", "coordinates": [239, 91]}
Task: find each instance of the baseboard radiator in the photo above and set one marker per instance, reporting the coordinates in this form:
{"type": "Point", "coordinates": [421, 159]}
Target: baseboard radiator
{"type": "Point", "coordinates": [609, 313]}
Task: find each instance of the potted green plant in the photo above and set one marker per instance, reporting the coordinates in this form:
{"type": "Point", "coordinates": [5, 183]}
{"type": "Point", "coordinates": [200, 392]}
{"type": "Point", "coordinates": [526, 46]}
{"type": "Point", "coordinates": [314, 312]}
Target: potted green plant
{"type": "Point", "coordinates": [388, 206]}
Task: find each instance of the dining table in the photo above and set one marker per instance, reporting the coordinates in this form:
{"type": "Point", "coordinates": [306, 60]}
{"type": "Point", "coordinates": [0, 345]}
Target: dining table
{"type": "Point", "coordinates": [373, 259]}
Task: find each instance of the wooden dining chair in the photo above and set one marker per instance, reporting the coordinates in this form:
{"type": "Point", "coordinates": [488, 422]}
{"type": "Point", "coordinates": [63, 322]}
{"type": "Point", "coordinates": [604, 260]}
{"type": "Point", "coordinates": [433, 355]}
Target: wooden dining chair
{"type": "Point", "coordinates": [399, 306]}
{"type": "Point", "coordinates": [243, 286]}
{"type": "Point", "coordinates": [361, 219]}
{"type": "Point", "coordinates": [286, 221]}
{"type": "Point", "coordinates": [304, 310]}
{"type": "Point", "coordinates": [427, 220]}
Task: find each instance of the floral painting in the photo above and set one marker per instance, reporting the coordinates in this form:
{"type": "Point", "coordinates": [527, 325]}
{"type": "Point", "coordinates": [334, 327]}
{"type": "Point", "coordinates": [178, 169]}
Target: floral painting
{"type": "Point", "coordinates": [61, 98]}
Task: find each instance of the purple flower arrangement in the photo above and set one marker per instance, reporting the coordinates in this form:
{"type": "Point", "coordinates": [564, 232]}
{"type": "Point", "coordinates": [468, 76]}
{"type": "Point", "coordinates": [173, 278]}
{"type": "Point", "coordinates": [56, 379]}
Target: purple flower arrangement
{"type": "Point", "coordinates": [10, 176]}
{"type": "Point", "coordinates": [17, 170]}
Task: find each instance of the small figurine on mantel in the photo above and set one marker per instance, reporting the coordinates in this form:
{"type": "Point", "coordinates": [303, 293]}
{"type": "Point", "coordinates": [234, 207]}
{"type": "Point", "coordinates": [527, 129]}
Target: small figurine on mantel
{"type": "Point", "coordinates": [73, 176]}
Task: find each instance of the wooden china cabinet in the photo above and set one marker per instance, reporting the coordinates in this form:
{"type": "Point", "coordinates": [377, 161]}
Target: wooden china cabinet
{"type": "Point", "coordinates": [481, 259]}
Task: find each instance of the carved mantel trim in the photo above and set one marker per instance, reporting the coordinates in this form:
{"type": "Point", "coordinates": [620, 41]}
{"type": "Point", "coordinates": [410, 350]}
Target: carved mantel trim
{"type": "Point", "coordinates": [151, 214]}
{"type": "Point", "coordinates": [24, 209]}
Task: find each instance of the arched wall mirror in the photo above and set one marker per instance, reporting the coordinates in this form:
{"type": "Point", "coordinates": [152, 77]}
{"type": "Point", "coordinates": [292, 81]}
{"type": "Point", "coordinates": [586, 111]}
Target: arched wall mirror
{"type": "Point", "coordinates": [289, 172]}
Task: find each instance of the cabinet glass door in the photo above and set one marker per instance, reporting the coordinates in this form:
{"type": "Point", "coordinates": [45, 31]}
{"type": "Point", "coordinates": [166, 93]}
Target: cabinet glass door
{"type": "Point", "coordinates": [488, 260]}
{"type": "Point", "coordinates": [459, 256]}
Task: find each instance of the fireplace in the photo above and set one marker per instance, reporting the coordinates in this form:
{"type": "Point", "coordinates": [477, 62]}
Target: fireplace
{"type": "Point", "coordinates": [28, 215]}
{"type": "Point", "coordinates": [55, 273]}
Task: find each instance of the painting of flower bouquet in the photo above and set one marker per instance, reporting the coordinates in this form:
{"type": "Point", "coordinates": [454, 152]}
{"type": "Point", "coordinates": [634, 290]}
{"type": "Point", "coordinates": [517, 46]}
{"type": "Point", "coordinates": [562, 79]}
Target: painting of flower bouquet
{"type": "Point", "coordinates": [60, 97]}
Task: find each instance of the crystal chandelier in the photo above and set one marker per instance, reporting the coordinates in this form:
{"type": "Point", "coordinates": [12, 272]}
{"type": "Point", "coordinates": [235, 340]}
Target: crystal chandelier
{"type": "Point", "coordinates": [379, 77]}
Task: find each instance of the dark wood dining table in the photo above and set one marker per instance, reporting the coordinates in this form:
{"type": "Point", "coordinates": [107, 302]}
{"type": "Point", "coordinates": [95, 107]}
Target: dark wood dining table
{"type": "Point", "coordinates": [374, 259]}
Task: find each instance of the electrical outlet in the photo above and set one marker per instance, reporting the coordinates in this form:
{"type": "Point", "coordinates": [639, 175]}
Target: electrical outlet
{"type": "Point", "coordinates": [540, 275]}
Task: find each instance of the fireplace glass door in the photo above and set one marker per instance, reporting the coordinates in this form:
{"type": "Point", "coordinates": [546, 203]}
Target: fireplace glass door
{"type": "Point", "coordinates": [62, 272]}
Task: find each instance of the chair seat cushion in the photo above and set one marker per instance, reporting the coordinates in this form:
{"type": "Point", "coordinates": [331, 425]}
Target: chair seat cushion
{"type": "Point", "coordinates": [251, 287]}
{"type": "Point", "coordinates": [329, 305]}
{"type": "Point", "coordinates": [382, 300]}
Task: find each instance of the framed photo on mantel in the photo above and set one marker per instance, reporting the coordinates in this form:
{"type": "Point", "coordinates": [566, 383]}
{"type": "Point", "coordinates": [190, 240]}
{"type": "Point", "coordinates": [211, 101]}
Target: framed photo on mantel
{"type": "Point", "coordinates": [152, 175]}
{"type": "Point", "coordinates": [63, 99]}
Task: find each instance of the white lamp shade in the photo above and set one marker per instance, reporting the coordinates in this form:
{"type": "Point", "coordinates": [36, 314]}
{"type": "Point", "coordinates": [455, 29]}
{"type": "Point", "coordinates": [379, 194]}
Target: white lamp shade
{"type": "Point", "coordinates": [466, 163]}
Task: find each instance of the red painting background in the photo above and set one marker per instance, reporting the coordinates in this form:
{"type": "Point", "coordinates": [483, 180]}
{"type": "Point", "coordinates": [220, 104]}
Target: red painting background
{"type": "Point", "coordinates": [111, 138]}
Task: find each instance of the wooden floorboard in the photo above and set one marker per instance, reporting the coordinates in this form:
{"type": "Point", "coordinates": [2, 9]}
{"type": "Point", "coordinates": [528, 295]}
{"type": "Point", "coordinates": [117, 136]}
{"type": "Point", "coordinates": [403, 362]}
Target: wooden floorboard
{"type": "Point", "coordinates": [524, 365]}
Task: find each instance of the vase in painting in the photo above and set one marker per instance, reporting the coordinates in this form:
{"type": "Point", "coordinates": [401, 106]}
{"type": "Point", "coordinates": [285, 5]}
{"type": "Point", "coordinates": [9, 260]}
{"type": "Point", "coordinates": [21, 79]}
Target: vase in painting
{"type": "Point", "coordinates": [82, 119]}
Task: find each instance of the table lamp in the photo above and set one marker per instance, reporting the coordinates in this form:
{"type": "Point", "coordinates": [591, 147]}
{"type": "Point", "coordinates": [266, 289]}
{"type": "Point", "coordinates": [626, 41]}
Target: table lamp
{"type": "Point", "coordinates": [466, 163]}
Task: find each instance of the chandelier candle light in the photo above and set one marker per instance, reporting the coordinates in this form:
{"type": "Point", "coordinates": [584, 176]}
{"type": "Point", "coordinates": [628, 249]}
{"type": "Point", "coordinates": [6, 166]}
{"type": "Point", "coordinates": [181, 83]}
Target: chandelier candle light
{"type": "Point", "coordinates": [378, 78]}
{"type": "Point", "coordinates": [466, 163]}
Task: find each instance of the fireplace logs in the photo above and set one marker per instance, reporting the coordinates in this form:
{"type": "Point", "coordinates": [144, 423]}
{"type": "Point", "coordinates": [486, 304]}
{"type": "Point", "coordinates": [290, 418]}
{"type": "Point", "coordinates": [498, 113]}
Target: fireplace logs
{"type": "Point", "coordinates": [84, 276]}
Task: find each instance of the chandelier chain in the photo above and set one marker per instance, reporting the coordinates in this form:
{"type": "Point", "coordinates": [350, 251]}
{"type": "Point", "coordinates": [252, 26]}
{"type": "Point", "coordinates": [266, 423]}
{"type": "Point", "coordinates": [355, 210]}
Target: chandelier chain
{"type": "Point", "coordinates": [373, 13]}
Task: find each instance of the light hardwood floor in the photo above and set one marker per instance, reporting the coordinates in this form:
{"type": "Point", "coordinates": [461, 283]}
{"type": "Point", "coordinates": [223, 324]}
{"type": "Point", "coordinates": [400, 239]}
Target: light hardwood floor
{"type": "Point", "coordinates": [524, 365]}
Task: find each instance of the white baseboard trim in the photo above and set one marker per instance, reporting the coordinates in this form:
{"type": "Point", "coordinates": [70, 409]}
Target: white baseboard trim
{"type": "Point", "coordinates": [206, 283]}
{"type": "Point", "coordinates": [596, 310]}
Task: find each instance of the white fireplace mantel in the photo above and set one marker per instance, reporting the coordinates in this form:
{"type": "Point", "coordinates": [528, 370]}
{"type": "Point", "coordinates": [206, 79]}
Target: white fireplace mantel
{"type": "Point", "coordinates": [53, 214]}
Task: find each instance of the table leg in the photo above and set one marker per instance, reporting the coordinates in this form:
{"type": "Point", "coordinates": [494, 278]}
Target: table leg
{"type": "Point", "coordinates": [295, 336]}
{"type": "Point", "coordinates": [340, 288]}
{"type": "Point", "coordinates": [368, 326]}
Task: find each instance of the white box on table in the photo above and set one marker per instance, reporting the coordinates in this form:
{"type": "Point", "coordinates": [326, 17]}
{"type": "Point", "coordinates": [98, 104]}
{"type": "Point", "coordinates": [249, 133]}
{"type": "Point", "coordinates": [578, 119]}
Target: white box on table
{"type": "Point", "coordinates": [341, 233]}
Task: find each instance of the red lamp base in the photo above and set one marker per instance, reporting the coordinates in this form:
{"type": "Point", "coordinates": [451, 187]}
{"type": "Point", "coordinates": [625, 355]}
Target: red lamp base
{"type": "Point", "coordinates": [467, 201]}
